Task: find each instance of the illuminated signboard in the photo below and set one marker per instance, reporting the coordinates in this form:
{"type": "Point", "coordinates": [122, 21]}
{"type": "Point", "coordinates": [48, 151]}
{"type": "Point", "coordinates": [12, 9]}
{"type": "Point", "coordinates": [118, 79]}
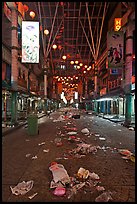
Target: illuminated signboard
{"type": "Point", "coordinates": [117, 24]}
{"type": "Point", "coordinates": [30, 42]}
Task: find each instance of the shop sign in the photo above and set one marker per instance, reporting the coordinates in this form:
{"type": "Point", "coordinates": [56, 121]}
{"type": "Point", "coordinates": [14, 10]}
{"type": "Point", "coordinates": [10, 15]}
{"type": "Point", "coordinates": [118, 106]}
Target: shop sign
{"type": "Point", "coordinates": [117, 24]}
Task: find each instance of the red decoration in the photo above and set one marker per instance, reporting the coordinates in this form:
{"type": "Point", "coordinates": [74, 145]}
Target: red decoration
{"type": "Point", "coordinates": [26, 8]}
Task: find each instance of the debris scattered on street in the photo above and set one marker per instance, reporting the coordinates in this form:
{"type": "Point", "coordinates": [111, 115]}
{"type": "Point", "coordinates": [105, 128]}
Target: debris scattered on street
{"type": "Point", "coordinates": [59, 173]}
{"type": "Point", "coordinates": [58, 141]}
{"type": "Point", "coordinates": [75, 188]}
{"type": "Point", "coordinates": [59, 191]}
{"type": "Point", "coordinates": [46, 150]}
{"type": "Point", "coordinates": [72, 133]}
{"type": "Point", "coordinates": [35, 157]}
{"type": "Point", "coordinates": [131, 128]}
{"type": "Point", "coordinates": [93, 176]}
{"type": "Point", "coordinates": [41, 143]}
{"type": "Point", "coordinates": [22, 188]}
{"type": "Point", "coordinates": [102, 138]}
{"type": "Point", "coordinates": [104, 197]}
{"type": "Point", "coordinates": [27, 155]}
{"type": "Point", "coordinates": [32, 196]}
{"type": "Point", "coordinates": [128, 155]}
{"type": "Point", "coordinates": [82, 173]}
{"type": "Point", "coordinates": [100, 188]}
{"type": "Point", "coordinates": [85, 131]}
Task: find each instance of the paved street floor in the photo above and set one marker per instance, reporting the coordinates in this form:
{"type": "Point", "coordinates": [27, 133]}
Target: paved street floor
{"type": "Point", "coordinates": [28, 158]}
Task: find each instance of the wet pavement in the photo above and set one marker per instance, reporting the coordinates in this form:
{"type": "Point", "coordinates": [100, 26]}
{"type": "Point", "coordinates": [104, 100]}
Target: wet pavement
{"type": "Point", "coordinates": [54, 144]}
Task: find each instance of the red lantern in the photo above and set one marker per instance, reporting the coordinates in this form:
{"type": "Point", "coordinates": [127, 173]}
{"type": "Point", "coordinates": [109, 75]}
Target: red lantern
{"type": "Point", "coordinates": [40, 28]}
{"type": "Point", "coordinates": [26, 8]}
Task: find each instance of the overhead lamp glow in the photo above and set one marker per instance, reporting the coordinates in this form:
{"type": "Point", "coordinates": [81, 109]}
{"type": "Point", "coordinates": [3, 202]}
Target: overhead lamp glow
{"type": "Point", "coordinates": [32, 14]}
{"type": "Point", "coordinates": [72, 62]}
{"type": "Point", "coordinates": [64, 57]}
{"type": "Point", "coordinates": [54, 46]}
{"type": "Point", "coordinates": [46, 32]}
{"type": "Point", "coordinates": [86, 66]}
{"type": "Point", "coordinates": [78, 67]}
{"type": "Point", "coordinates": [76, 62]}
{"type": "Point", "coordinates": [81, 64]}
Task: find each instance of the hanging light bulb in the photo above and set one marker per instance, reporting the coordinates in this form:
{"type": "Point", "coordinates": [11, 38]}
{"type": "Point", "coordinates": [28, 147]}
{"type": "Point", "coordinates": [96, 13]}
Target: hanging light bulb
{"type": "Point", "coordinates": [64, 57]}
{"type": "Point", "coordinates": [72, 62]}
{"type": "Point", "coordinates": [86, 66]}
{"type": "Point", "coordinates": [46, 32]}
{"type": "Point", "coordinates": [81, 64]}
{"type": "Point", "coordinates": [32, 14]}
{"type": "Point", "coordinates": [76, 62]}
{"type": "Point", "coordinates": [54, 46]}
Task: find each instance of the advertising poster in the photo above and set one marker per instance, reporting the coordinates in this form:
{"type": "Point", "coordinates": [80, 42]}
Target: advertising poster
{"type": "Point", "coordinates": [30, 42]}
{"type": "Point", "coordinates": [115, 40]}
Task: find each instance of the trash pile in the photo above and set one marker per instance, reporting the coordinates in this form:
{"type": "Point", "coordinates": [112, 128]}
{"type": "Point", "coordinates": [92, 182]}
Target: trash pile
{"type": "Point", "coordinates": [128, 155]}
{"type": "Point", "coordinates": [84, 148]}
{"type": "Point", "coordinates": [67, 186]}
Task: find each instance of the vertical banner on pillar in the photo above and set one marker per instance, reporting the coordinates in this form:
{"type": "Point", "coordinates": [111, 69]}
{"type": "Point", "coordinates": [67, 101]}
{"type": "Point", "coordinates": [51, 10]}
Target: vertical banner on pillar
{"type": "Point", "coordinates": [80, 88]}
{"type": "Point", "coordinates": [115, 41]}
{"type": "Point", "coordinates": [30, 42]}
{"type": "Point", "coordinates": [60, 88]}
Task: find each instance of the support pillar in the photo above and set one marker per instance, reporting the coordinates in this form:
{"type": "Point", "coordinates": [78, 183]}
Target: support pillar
{"type": "Point", "coordinates": [86, 88]}
{"type": "Point", "coordinates": [45, 92]}
{"type": "Point", "coordinates": [128, 74]}
{"type": "Point", "coordinates": [14, 63]}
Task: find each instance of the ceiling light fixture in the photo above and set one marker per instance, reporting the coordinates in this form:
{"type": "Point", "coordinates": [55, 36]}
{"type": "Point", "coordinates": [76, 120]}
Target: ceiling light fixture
{"type": "Point", "coordinates": [72, 62]}
{"type": "Point", "coordinates": [32, 14]}
{"type": "Point", "coordinates": [46, 32]}
{"type": "Point", "coordinates": [54, 46]}
{"type": "Point", "coordinates": [76, 62]}
{"type": "Point", "coordinates": [64, 57]}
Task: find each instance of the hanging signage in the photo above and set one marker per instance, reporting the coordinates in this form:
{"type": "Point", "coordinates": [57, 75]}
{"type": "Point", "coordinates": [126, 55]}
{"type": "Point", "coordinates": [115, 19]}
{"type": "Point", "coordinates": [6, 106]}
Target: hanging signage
{"type": "Point", "coordinates": [30, 42]}
{"type": "Point", "coordinates": [115, 41]}
{"type": "Point", "coordinates": [117, 24]}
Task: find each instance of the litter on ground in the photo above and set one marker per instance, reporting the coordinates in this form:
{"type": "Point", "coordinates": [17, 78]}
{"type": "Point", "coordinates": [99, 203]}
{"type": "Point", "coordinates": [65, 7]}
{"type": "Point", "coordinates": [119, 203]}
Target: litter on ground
{"type": "Point", "coordinates": [22, 188]}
